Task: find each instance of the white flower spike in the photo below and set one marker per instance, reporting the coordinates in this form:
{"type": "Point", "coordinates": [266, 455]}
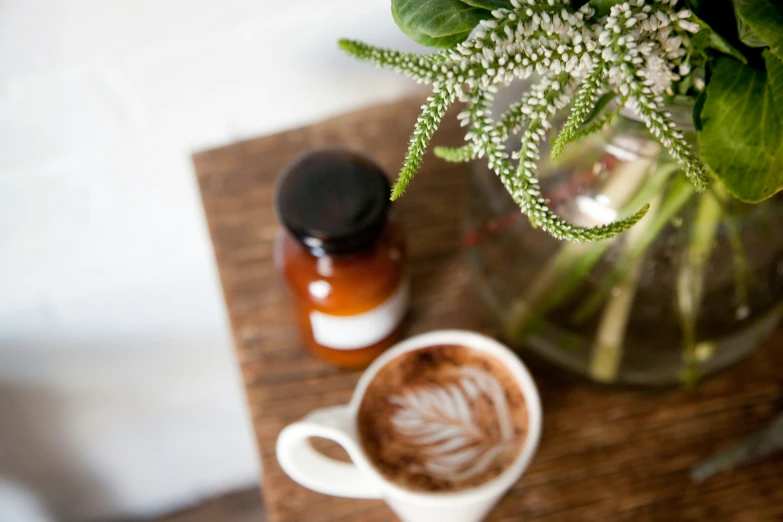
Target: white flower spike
{"type": "Point", "coordinates": [636, 53]}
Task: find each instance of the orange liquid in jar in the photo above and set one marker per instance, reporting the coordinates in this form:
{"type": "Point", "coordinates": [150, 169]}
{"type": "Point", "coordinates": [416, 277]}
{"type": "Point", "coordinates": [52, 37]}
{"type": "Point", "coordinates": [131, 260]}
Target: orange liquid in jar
{"type": "Point", "coordinates": [343, 257]}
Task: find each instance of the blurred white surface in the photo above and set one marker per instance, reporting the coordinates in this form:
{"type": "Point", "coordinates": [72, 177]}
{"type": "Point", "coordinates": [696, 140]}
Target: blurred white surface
{"type": "Point", "coordinates": [118, 390]}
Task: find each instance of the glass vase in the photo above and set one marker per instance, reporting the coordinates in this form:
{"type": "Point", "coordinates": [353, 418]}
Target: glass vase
{"type": "Point", "coordinates": [691, 289]}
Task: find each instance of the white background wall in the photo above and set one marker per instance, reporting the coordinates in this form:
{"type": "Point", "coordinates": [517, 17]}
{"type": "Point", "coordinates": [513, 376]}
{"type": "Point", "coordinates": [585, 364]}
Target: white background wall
{"type": "Point", "coordinates": [118, 391]}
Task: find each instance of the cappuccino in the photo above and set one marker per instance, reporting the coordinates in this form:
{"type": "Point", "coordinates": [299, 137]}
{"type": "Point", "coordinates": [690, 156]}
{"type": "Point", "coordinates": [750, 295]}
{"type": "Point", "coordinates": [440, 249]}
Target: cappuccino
{"type": "Point", "coordinates": [442, 418]}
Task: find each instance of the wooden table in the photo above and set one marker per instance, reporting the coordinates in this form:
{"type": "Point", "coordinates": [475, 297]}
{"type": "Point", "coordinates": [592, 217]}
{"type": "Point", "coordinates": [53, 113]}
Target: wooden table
{"type": "Point", "coordinates": [605, 454]}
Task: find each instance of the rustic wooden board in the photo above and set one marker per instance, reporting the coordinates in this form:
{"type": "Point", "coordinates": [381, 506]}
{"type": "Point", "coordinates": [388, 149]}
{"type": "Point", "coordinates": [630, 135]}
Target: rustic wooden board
{"type": "Point", "coordinates": [241, 506]}
{"type": "Point", "coordinates": [605, 455]}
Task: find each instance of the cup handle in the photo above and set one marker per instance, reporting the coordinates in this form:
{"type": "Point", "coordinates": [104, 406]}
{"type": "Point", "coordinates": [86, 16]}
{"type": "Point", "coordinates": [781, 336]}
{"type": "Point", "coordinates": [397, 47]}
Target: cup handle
{"type": "Point", "coordinates": [315, 471]}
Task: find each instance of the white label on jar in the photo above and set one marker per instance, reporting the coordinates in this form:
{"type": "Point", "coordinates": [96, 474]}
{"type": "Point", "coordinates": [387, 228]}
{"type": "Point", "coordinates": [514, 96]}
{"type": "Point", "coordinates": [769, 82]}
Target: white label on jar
{"type": "Point", "coordinates": [350, 332]}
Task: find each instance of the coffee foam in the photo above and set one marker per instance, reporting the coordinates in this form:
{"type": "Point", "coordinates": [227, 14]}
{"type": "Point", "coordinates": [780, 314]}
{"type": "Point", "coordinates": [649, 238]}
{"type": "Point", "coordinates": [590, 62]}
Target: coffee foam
{"type": "Point", "coordinates": [442, 418]}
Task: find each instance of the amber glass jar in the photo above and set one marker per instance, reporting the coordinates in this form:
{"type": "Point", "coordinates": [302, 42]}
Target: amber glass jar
{"type": "Point", "coordinates": [342, 256]}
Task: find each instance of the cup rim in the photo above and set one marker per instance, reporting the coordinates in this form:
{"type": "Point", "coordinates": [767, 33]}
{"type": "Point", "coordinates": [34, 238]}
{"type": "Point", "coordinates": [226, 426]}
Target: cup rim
{"type": "Point", "coordinates": [512, 362]}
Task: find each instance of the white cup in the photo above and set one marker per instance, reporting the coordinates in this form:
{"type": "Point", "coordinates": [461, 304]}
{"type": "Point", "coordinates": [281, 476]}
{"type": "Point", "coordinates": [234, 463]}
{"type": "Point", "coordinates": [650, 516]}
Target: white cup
{"type": "Point", "coordinates": [360, 479]}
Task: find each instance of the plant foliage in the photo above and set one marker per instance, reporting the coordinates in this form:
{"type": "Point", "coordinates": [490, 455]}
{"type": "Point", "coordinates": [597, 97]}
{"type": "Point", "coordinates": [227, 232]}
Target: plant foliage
{"type": "Point", "coordinates": [637, 53]}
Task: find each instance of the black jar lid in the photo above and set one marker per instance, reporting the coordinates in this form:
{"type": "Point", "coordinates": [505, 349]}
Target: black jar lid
{"type": "Point", "coordinates": [333, 201]}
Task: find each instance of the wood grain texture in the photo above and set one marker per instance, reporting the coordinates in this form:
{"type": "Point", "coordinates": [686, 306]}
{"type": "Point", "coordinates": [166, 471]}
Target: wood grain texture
{"type": "Point", "coordinates": [606, 454]}
{"type": "Point", "coordinates": [242, 506]}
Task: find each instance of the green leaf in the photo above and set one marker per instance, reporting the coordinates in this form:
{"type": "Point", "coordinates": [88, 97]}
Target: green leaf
{"type": "Point", "coordinates": [747, 36]}
{"type": "Point", "coordinates": [764, 21]}
{"type": "Point", "coordinates": [489, 4]}
{"type": "Point", "coordinates": [719, 16]}
{"type": "Point", "coordinates": [706, 38]}
{"type": "Point", "coordinates": [437, 23]}
{"type": "Point", "coordinates": [443, 42]}
{"type": "Point", "coordinates": [742, 137]}
{"type": "Point", "coordinates": [602, 7]}
{"type": "Point", "coordinates": [775, 80]}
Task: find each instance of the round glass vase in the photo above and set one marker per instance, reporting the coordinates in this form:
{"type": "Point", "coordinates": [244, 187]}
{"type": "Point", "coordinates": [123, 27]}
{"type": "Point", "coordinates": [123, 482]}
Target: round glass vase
{"type": "Point", "coordinates": [694, 287]}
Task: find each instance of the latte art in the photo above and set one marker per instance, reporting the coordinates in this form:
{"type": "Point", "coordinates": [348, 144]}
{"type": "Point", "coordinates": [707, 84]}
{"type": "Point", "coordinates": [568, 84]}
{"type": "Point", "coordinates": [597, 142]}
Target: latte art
{"type": "Point", "coordinates": [442, 418]}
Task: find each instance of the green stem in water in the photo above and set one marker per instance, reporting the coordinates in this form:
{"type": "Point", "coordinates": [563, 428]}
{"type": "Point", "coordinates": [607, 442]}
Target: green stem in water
{"type": "Point", "coordinates": [574, 260]}
{"type": "Point", "coordinates": [577, 272]}
{"type": "Point", "coordinates": [681, 192]}
{"type": "Point", "coordinates": [739, 263]}
{"type": "Point", "coordinates": [690, 279]}
{"type": "Point", "coordinates": [608, 345]}
{"type": "Point", "coordinates": [739, 258]}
